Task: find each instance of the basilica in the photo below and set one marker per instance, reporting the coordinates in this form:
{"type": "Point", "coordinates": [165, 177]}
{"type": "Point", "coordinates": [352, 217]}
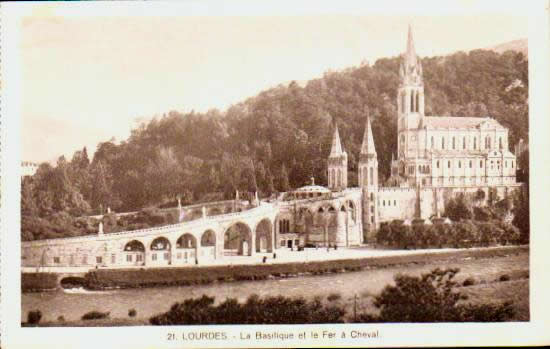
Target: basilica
{"type": "Point", "coordinates": [438, 158]}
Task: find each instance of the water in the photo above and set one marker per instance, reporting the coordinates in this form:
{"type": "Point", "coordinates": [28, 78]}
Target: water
{"type": "Point", "coordinates": [150, 301]}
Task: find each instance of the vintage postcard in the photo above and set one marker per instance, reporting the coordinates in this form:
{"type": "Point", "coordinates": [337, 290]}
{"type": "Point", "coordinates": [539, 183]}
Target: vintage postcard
{"type": "Point", "coordinates": [274, 174]}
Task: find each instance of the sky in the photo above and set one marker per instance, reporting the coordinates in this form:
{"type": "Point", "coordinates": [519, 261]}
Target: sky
{"type": "Point", "coordinates": [88, 78]}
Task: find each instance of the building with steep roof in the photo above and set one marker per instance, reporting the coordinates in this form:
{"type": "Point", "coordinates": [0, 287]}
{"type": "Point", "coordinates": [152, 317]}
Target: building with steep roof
{"type": "Point", "coordinates": [438, 157]}
{"type": "Point", "coordinates": [438, 151]}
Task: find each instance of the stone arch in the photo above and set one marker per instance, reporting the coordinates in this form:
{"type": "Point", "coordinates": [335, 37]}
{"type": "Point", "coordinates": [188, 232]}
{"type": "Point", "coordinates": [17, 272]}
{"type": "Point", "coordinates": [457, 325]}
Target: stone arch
{"type": "Point", "coordinates": [186, 240]}
{"type": "Point", "coordinates": [264, 239]}
{"type": "Point", "coordinates": [343, 208]}
{"type": "Point", "coordinates": [160, 244]}
{"type": "Point", "coordinates": [160, 251]}
{"type": "Point", "coordinates": [237, 239]}
{"type": "Point", "coordinates": [208, 238]}
{"type": "Point", "coordinates": [332, 216]}
{"type": "Point", "coordinates": [134, 245]}
{"type": "Point", "coordinates": [134, 253]}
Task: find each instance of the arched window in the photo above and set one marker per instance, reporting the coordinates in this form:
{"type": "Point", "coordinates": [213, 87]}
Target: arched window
{"type": "Point", "coordinates": [442, 142]}
{"type": "Point", "coordinates": [412, 101]}
{"type": "Point", "coordinates": [383, 202]}
{"type": "Point", "coordinates": [475, 143]}
{"type": "Point", "coordinates": [449, 164]}
{"type": "Point", "coordinates": [512, 164]}
{"type": "Point", "coordinates": [470, 163]}
{"type": "Point", "coordinates": [417, 102]}
{"type": "Point", "coordinates": [365, 181]}
{"type": "Point", "coordinates": [404, 102]}
{"type": "Point", "coordinates": [432, 142]}
{"type": "Point", "coordinates": [371, 175]}
{"type": "Point", "coordinates": [464, 143]}
{"type": "Point", "coordinates": [480, 163]}
{"type": "Point", "coordinates": [372, 196]}
{"type": "Point", "coordinates": [339, 177]}
{"type": "Point", "coordinates": [453, 143]}
{"type": "Point", "coordinates": [437, 163]}
{"type": "Point", "coordinates": [459, 164]}
{"type": "Point", "coordinates": [419, 169]}
{"type": "Point", "coordinates": [500, 143]}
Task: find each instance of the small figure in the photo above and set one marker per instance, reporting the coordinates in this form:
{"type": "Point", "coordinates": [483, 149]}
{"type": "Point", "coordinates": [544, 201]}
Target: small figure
{"type": "Point", "coordinates": [274, 256]}
{"type": "Point", "coordinates": [264, 259]}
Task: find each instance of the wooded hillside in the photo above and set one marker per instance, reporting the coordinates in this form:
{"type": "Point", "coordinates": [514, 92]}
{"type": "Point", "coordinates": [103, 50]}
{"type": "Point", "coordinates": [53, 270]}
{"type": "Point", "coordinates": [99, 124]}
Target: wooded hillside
{"type": "Point", "coordinates": [274, 141]}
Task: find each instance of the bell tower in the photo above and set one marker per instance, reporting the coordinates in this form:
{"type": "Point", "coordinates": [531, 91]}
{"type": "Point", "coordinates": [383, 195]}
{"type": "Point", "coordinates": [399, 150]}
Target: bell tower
{"type": "Point", "coordinates": [337, 164]}
{"type": "Point", "coordinates": [410, 97]}
{"type": "Point", "coordinates": [368, 182]}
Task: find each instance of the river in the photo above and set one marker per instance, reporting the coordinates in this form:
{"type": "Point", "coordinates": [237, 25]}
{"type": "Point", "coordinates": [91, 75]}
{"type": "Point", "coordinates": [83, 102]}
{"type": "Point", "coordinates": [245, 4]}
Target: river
{"type": "Point", "coordinates": [151, 301]}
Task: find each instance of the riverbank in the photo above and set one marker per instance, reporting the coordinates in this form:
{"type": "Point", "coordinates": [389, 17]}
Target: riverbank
{"type": "Point", "coordinates": [132, 278]}
{"type": "Point", "coordinates": [495, 279]}
{"type": "Point", "coordinates": [102, 279]}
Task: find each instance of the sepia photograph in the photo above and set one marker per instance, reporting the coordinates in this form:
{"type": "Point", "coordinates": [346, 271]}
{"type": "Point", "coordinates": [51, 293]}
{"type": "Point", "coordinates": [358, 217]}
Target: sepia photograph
{"type": "Point", "coordinates": [263, 167]}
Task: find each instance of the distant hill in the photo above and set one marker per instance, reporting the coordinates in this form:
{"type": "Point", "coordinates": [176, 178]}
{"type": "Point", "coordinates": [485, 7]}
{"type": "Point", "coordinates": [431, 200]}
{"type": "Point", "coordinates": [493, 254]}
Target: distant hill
{"type": "Point", "coordinates": [519, 45]}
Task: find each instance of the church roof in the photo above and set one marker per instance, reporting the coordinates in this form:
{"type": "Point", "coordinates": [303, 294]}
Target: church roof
{"type": "Point", "coordinates": [336, 149]}
{"type": "Point", "coordinates": [367, 148]}
{"type": "Point", "coordinates": [459, 122]}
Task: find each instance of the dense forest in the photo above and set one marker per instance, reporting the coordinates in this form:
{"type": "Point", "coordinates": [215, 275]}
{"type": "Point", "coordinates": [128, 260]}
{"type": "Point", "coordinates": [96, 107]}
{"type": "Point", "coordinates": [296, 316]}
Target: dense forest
{"type": "Point", "coordinates": [274, 141]}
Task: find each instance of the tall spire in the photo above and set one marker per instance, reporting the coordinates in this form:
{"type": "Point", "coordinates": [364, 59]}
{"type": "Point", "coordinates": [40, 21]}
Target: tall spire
{"type": "Point", "coordinates": [336, 149]}
{"type": "Point", "coordinates": [367, 148]}
{"type": "Point", "coordinates": [410, 56]}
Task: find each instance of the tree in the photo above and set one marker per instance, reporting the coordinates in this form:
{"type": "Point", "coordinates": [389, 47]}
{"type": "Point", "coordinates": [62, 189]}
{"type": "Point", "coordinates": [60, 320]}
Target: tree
{"type": "Point", "coordinates": [457, 209]}
{"type": "Point", "coordinates": [431, 297]}
{"type": "Point", "coordinates": [521, 204]}
{"type": "Point", "coordinates": [283, 179]}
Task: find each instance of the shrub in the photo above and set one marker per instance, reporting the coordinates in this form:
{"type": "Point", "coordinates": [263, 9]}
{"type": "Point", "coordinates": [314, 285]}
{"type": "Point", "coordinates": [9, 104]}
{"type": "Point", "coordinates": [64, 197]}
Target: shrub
{"type": "Point", "coordinates": [256, 310]}
{"type": "Point", "coordinates": [504, 277]}
{"type": "Point", "coordinates": [34, 317]}
{"type": "Point", "coordinates": [469, 282]}
{"type": "Point", "coordinates": [61, 318]}
{"type": "Point", "coordinates": [132, 312]}
{"type": "Point", "coordinates": [334, 297]}
{"type": "Point", "coordinates": [94, 315]}
{"type": "Point", "coordinates": [431, 297]}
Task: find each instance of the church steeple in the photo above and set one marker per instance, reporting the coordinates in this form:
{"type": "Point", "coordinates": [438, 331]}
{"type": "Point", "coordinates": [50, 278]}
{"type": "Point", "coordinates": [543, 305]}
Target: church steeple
{"type": "Point", "coordinates": [410, 55]}
{"type": "Point", "coordinates": [336, 149]}
{"type": "Point", "coordinates": [410, 96]}
{"type": "Point", "coordinates": [337, 163]}
{"type": "Point", "coordinates": [367, 148]}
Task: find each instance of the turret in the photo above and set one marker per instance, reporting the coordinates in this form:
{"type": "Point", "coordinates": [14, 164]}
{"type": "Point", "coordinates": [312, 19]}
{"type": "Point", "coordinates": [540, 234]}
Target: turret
{"type": "Point", "coordinates": [368, 181]}
{"type": "Point", "coordinates": [337, 164]}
